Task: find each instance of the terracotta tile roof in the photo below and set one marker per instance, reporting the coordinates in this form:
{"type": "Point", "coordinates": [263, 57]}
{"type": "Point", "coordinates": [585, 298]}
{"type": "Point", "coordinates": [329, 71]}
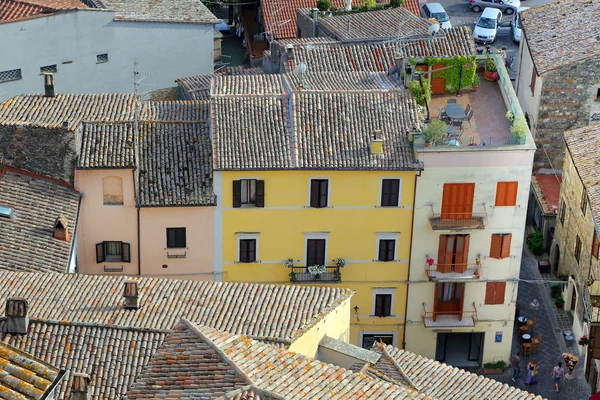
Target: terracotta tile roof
{"type": "Point", "coordinates": [547, 190]}
{"type": "Point", "coordinates": [24, 376]}
{"type": "Point", "coordinates": [342, 82]}
{"type": "Point", "coordinates": [52, 112]}
{"type": "Point", "coordinates": [271, 84]}
{"type": "Point", "coordinates": [59, 4]}
{"type": "Point", "coordinates": [330, 130]}
{"type": "Point", "coordinates": [195, 87]}
{"type": "Point", "coordinates": [26, 238]}
{"type": "Point", "coordinates": [113, 357]}
{"type": "Point", "coordinates": [181, 11]}
{"type": "Point", "coordinates": [381, 24]}
{"type": "Point", "coordinates": [412, 6]}
{"type": "Point", "coordinates": [378, 57]}
{"type": "Point", "coordinates": [295, 41]}
{"type": "Point", "coordinates": [175, 167]}
{"type": "Point", "coordinates": [584, 146]}
{"type": "Point", "coordinates": [107, 145]}
{"type": "Point", "coordinates": [12, 10]}
{"type": "Point", "coordinates": [549, 30]}
{"type": "Point", "coordinates": [253, 309]}
{"type": "Point", "coordinates": [277, 373]}
{"type": "Point", "coordinates": [440, 380]}
{"type": "Point", "coordinates": [280, 15]}
{"type": "Point", "coordinates": [173, 111]}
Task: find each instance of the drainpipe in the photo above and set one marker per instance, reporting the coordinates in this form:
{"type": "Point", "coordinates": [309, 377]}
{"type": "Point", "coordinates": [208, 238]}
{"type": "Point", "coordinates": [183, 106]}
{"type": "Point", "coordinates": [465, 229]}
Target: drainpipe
{"type": "Point", "coordinates": [409, 264]}
{"type": "Point", "coordinates": [139, 243]}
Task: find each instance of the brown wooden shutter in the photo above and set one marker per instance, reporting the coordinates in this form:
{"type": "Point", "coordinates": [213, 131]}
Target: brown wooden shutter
{"type": "Point", "coordinates": [125, 252]}
{"type": "Point", "coordinates": [496, 247]}
{"type": "Point", "coordinates": [447, 202]}
{"type": "Point", "coordinates": [595, 244]}
{"type": "Point", "coordinates": [387, 305]}
{"type": "Point", "coordinates": [323, 192]}
{"type": "Point", "coordinates": [499, 292]}
{"type": "Point", "coordinates": [506, 240]}
{"type": "Point", "coordinates": [468, 193]}
{"type": "Point", "coordinates": [394, 191]}
{"type": "Point", "coordinates": [390, 247]}
{"type": "Point", "coordinates": [243, 251]}
{"type": "Point", "coordinates": [100, 252]}
{"type": "Point", "coordinates": [237, 194]}
{"type": "Point", "coordinates": [457, 200]}
{"type": "Point", "coordinates": [506, 193]}
{"type": "Point", "coordinates": [260, 194]}
{"type": "Point", "coordinates": [314, 193]}
{"type": "Point", "coordinates": [251, 250]}
{"type": "Point", "coordinates": [379, 305]}
{"type": "Point", "coordinates": [444, 262]}
{"type": "Point", "coordinates": [490, 292]}
{"type": "Point", "coordinates": [461, 256]}
{"type": "Point", "coordinates": [321, 252]}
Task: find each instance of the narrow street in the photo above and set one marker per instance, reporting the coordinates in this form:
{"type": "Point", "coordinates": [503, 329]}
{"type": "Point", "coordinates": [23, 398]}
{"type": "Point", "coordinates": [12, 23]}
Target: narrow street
{"type": "Point", "coordinates": [534, 286]}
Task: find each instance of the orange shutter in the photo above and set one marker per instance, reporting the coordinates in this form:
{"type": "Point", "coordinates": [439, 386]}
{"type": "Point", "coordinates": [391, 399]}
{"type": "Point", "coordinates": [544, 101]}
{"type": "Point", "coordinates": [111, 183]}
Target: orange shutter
{"type": "Point", "coordinates": [490, 289]}
{"type": "Point", "coordinates": [457, 200]}
{"type": "Point", "coordinates": [447, 201]}
{"type": "Point", "coordinates": [595, 245]}
{"type": "Point", "coordinates": [496, 247]}
{"type": "Point", "coordinates": [506, 193]}
{"type": "Point", "coordinates": [506, 239]}
{"type": "Point", "coordinates": [461, 256]}
{"type": "Point", "coordinates": [500, 290]}
{"type": "Point", "coordinates": [445, 253]}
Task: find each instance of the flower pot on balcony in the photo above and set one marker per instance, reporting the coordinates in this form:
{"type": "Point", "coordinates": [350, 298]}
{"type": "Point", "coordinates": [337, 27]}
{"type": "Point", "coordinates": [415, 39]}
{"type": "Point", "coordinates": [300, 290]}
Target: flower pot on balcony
{"type": "Point", "coordinates": [489, 75]}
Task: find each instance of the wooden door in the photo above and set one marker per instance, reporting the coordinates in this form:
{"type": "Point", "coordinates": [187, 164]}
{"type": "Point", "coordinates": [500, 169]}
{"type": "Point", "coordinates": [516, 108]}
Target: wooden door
{"type": "Point", "coordinates": [449, 296]}
{"type": "Point", "coordinates": [461, 253]}
{"type": "Point", "coordinates": [453, 253]}
{"type": "Point", "coordinates": [457, 200]}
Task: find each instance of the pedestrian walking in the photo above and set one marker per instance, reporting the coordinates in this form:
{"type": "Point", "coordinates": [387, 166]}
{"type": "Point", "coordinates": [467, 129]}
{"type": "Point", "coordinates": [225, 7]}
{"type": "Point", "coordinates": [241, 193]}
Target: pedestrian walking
{"type": "Point", "coordinates": [557, 372]}
{"type": "Point", "coordinates": [516, 366]}
{"type": "Point", "coordinates": [532, 371]}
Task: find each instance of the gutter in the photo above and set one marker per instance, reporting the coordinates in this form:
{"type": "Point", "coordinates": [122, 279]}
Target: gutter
{"type": "Point", "coordinates": [409, 264]}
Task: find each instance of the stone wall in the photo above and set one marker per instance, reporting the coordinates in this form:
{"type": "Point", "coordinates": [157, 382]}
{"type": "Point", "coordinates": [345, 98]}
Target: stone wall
{"type": "Point", "coordinates": [568, 101]}
{"type": "Point", "coordinates": [49, 152]}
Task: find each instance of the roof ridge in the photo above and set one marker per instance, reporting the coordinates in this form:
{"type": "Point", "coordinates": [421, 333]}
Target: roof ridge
{"type": "Point", "coordinates": [35, 175]}
{"type": "Point", "coordinates": [94, 325]}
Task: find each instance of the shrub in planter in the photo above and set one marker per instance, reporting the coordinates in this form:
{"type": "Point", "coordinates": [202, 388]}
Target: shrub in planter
{"type": "Point", "coordinates": [535, 243]}
{"type": "Point", "coordinates": [421, 94]}
{"type": "Point", "coordinates": [435, 133]}
{"type": "Point", "coordinates": [494, 368]}
{"type": "Point", "coordinates": [396, 3]}
{"type": "Point", "coordinates": [323, 5]}
{"type": "Point", "coordinates": [519, 128]}
{"type": "Point", "coordinates": [560, 302]}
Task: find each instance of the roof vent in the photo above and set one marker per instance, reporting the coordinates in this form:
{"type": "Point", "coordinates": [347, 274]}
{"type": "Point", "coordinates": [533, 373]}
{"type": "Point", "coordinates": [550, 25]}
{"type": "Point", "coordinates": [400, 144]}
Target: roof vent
{"type": "Point", "coordinates": [131, 295]}
{"type": "Point", "coordinates": [48, 84]}
{"type": "Point", "coordinates": [17, 320]}
{"type": "Point", "coordinates": [289, 49]}
{"type": "Point", "coordinates": [65, 124]}
{"type": "Point", "coordinates": [80, 386]}
{"type": "Point", "coordinates": [376, 143]}
{"type": "Point", "coordinates": [61, 230]}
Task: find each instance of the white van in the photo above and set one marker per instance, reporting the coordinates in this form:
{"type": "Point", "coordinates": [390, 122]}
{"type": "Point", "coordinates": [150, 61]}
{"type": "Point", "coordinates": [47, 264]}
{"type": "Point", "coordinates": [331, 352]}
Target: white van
{"type": "Point", "coordinates": [488, 24]}
{"type": "Point", "coordinates": [515, 25]}
{"type": "Point", "coordinates": [436, 11]}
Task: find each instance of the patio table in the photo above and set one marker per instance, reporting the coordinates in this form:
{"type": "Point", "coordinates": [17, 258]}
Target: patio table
{"type": "Point", "coordinates": [455, 111]}
{"type": "Point", "coordinates": [526, 338]}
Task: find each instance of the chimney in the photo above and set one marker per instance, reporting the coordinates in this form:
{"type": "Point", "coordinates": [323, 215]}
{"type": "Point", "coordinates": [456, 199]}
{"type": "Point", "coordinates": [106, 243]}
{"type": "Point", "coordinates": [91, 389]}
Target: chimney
{"type": "Point", "coordinates": [131, 295]}
{"type": "Point", "coordinates": [289, 49]}
{"type": "Point", "coordinates": [315, 18]}
{"type": "Point", "coordinates": [376, 143]}
{"type": "Point", "coordinates": [80, 386]}
{"type": "Point", "coordinates": [49, 84]}
{"type": "Point", "coordinates": [61, 230]}
{"type": "Point", "coordinates": [17, 320]}
{"type": "Point", "coordinates": [348, 5]}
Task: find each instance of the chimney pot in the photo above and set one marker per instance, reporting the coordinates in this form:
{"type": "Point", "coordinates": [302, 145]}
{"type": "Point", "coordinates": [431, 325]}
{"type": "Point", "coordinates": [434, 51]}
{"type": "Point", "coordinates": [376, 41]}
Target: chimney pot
{"type": "Point", "coordinates": [377, 143]}
{"type": "Point", "coordinates": [131, 294]}
{"type": "Point", "coordinates": [17, 320]}
{"type": "Point", "coordinates": [61, 230]}
{"type": "Point", "coordinates": [48, 84]}
{"type": "Point", "coordinates": [80, 386]}
{"type": "Point", "coordinates": [289, 48]}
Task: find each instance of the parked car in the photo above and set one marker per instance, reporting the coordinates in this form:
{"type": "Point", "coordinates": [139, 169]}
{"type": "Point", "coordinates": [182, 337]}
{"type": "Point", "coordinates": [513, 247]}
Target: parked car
{"type": "Point", "coordinates": [507, 6]}
{"type": "Point", "coordinates": [435, 10]}
{"type": "Point", "coordinates": [515, 25]}
{"type": "Point", "coordinates": [489, 25]}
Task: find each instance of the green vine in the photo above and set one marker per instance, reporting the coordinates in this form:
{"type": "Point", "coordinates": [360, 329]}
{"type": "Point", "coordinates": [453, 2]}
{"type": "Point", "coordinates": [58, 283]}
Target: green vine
{"type": "Point", "coordinates": [452, 75]}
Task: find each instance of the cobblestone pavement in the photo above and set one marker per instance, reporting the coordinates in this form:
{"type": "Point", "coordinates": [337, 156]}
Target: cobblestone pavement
{"type": "Point", "coordinates": [533, 286]}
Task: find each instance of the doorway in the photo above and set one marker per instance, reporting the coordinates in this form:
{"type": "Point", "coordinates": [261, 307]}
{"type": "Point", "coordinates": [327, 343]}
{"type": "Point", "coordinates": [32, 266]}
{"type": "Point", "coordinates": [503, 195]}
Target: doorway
{"type": "Point", "coordinates": [449, 298]}
{"type": "Point", "coordinates": [556, 259]}
{"type": "Point", "coordinates": [463, 350]}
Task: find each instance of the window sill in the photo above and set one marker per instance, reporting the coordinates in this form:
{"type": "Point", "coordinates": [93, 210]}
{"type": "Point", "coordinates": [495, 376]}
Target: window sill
{"type": "Point", "coordinates": [246, 262]}
{"type": "Point", "coordinates": [386, 316]}
{"type": "Point", "coordinates": [248, 206]}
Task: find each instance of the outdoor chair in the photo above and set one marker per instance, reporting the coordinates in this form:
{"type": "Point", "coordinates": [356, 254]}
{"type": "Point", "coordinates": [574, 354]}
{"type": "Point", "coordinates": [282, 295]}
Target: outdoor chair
{"type": "Point", "coordinates": [457, 124]}
{"type": "Point", "coordinates": [523, 330]}
{"type": "Point", "coordinates": [526, 349]}
{"type": "Point", "coordinates": [468, 117]}
{"type": "Point", "coordinates": [451, 100]}
{"type": "Point", "coordinates": [535, 342]}
{"type": "Point", "coordinates": [530, 325]}
{"type": "Point", "coordinates": [467, 109]}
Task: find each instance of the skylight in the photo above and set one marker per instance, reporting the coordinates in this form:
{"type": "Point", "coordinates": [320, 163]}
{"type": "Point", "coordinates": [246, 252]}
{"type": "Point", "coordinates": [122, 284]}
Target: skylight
{"type": "Point", "coordinates": [5, 211]}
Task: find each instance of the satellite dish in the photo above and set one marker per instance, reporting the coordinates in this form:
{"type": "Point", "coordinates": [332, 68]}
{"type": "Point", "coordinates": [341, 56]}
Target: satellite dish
{"type": "Point", "coordinates": [433, 29]}
{"type": "Point", "coordinates": [300, 69]}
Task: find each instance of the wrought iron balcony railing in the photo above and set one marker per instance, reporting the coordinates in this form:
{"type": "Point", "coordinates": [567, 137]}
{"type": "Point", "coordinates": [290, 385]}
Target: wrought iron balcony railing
{"type": "Point", "coordinates": [302, 275]}
{"type": "Point", "coordinates": [449, 272]}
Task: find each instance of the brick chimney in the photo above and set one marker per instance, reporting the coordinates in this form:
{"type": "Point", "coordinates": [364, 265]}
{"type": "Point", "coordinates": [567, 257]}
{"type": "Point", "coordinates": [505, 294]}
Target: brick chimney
{"type": "Point", "coordinates": [17, 320]}
{"type": "Point", "coordinates": [61, 230]}
{"type": "Point", "coordinates": [48, 84]}
{"type": "Point", "coordinates": [376, 143]}
{"type": "Point", "coordinates": [80, 386]}
{"type": "Point", "coordinates": [131, 295]}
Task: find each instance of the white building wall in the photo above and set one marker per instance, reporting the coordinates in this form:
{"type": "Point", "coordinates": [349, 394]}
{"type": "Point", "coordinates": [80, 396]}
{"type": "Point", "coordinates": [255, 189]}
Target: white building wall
{"type": "Point", "coordinates": [72, 40]}
{"type": "Point", "coordinates": [528, 99]}
{"type": "Point", "coordinates": [484, 168]}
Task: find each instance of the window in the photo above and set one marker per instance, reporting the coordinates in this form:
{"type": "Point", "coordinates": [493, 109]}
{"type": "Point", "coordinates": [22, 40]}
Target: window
{"type": "Point", "coordinates": [368, 340]}
{"type": "Point", "coordinates": [5, 211]}
{"type": "Point", "coordinates": [315, 251]}
{"type": "Point", "coordinates": [390, 192]}
{"type": "Point", "coordinates": [457, 200]}
{"type": "Point", "coordinates": [102, 58]}
{"type": "Point", "coordinates": [453, 253]}
{"type": "Point", "coordinates": [500, 247]}
{"type": "Point", "coordinates": [506, 193]}
{"type": "Point", "coordinates": [247, 250]}
{"type": "Point", "coordinates": [10, 75]}
{"type": "Point", "coordinates": [383, 305]}
{"type": "Point", "coordinates": [248, 192]}
{"type": "Point", "coordinates": [533, 79]}
{"type": "Point", "coordinates": [577, 248]}
{"type": "Point", "coordinates": [598, 94]}
{"type": "Point", "coordinates": [387, 249]}
{"type": "Point", "coordinates": [48, 68]}
{"type": "Point", "coordinates": [319, 192]}
{"type": "Point", "coordinates": [113, 252]}
{"type": "Point", "coordinates": [595, 244]}
{"type": "Point", "coordinates": [112, 191]}
{"type": "Point", "coordinates": [563, 210]}
{"type": "Point", "coordinates": [583, 203]}
{"type": "Point", "coordinates": [494, 292]}
{"type": "Point", "coordinates": [176, 238]}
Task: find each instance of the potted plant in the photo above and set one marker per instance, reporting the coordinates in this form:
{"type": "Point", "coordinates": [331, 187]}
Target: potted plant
{"type": "Point", "coordinates": [490, 68]}
{"type": "Point", "coordinates": [560, 302]}
{"type": "Point", "coordinates": [535, 243]}
{"type": "Point", "coordinates": [494, 368]}
{"type": "Point", "coordinates": [430, 261]}
{"type": "Point", "coordinates": [589, 282]}
{"type": "Point", "coordinates": [292, 276]}
{"type": "Point", "coordinates": [478, 260]}
{"type": "Point", "coordinates": [475, 83]}
{"type": "Point", "coordinates": [323, 5]}
{"type": "Point", "coordinates": [340, 262]}
{"type": "Point", "coordinates": [435, 133]}
{"type": "Point", "coordinates": [584, 341]}
{"type": "Point", "coordinates": [316, 271]}
{"type": "Point", "coordinates": [519, 129]}
{"type": "Point", "coordinates": [510, 116]}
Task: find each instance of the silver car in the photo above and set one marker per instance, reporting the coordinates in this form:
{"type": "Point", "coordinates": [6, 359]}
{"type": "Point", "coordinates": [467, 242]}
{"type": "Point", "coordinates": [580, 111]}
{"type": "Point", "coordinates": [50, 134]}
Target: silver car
{"type": "Point", "coordinates": [506, 6]}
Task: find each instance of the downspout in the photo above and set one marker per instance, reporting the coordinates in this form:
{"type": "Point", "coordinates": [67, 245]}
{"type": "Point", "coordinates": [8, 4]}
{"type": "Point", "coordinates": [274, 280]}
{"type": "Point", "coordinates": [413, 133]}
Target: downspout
{"type": "Point", "coordinates": [412, 222]}
{"type": "Point", "coordinates": [139, 243]}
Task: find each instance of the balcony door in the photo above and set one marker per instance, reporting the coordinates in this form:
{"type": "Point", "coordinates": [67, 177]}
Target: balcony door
{"type": "Point", "coordinates": [453, 253]}
{"type": "Point", "coordinates": [449, 298]}
{"type": "Point", "coordinates": [457, 200]}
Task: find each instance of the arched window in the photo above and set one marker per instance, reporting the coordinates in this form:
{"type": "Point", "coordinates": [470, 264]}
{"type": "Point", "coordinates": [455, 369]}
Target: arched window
{"type": "Point", "coordinates": [112, 190]}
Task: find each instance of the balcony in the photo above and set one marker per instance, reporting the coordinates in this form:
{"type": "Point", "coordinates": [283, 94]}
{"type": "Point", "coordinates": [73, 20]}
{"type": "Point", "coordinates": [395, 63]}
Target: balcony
{"type": "Point", "coordinates": [458, 221]}
{"type": "Point", "coordinates": [449, 319]}
{"type": "Point", "coordinates": [302, 275]}
{"type": "Point", "coordinates": [453, 272]}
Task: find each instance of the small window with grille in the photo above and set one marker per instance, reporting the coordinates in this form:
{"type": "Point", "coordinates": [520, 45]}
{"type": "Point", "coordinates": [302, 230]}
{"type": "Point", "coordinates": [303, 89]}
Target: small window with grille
{"type": "Point", "coordinates": [10, 75]}
{"type": "Point", "coordinates": [102, 58]}
{"type": "Point", "coordinates": [48, 68]}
